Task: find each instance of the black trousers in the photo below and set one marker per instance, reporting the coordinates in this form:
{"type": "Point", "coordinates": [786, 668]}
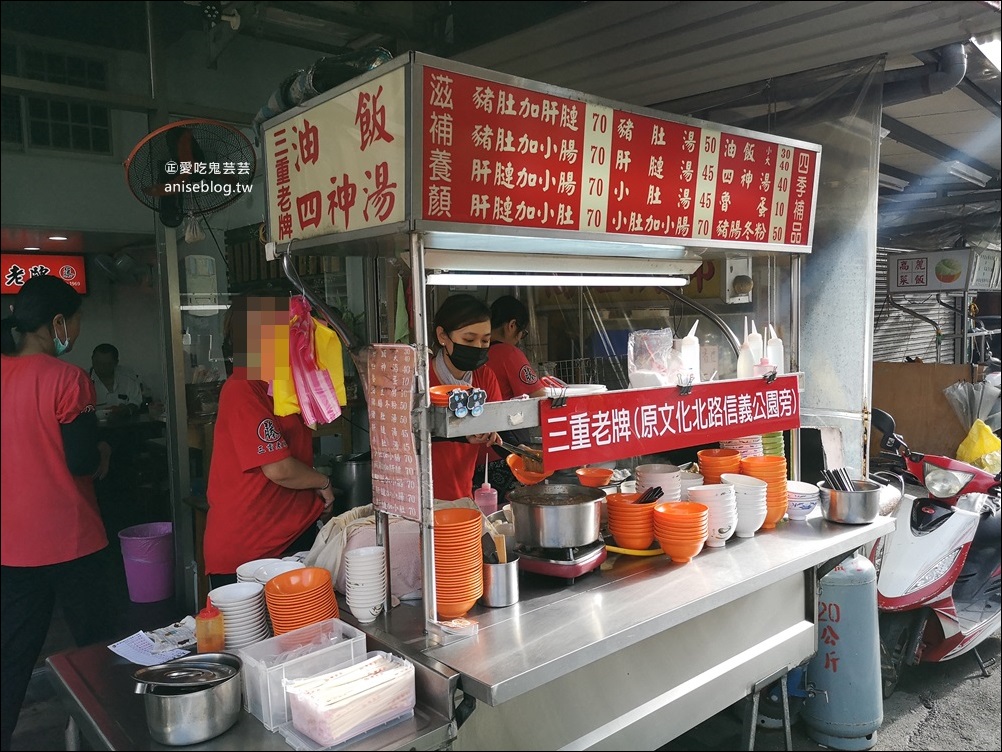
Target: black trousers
{"type": "Point", "coordinates": [27, 598]}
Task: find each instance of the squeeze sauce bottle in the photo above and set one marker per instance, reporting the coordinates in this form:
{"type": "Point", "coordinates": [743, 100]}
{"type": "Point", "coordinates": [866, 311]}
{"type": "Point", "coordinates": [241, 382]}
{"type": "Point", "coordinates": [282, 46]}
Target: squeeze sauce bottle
{"type": "Point", "coordinates": [209, 629]}
{"type": "Point", "coordinates": [689, 352]}
{"type": "Point", "coordinates": [775, 352]}
{"type": "Point", "coordinates": [755, 343]}
{"type": "Point", "coordinates": [485, 496]}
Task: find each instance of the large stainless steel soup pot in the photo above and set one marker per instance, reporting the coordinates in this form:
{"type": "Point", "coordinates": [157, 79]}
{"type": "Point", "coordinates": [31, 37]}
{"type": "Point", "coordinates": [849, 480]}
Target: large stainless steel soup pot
{"type": "Point", "coordinates": [191, 699]}
{"type": "Point", "coordinates": [556, 516]}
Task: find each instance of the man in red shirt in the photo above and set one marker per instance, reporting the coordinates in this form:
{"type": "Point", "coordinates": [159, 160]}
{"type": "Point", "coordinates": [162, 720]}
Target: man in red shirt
{"type": "Point", "coordinates": [509, 326]}
{"type": "Point", "coordinates": [264, 495]}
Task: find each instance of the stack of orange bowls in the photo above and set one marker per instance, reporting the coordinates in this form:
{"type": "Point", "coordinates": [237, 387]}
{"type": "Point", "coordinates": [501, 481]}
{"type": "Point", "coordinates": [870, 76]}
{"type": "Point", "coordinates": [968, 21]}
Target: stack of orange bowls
{"type": "Point", "coordinates": [772, 470]}
{"type": "Point", "coordinates": [681, 528]}
{"type": "Point", "coordinates": [714, 462]}
{"type": "Point", "coordinates": [632, 525]}
{"type": "Point", "coordinates": [459, 559]}
{"type": "Point", "coordinates": [300, 597]}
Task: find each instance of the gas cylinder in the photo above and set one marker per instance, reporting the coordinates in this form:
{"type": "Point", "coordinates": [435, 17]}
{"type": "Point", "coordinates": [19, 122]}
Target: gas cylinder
{"type": "Point", "coordinates": [845, 705]}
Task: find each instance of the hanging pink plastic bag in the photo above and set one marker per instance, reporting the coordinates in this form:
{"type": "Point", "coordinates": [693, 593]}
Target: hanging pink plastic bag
{"type": "Point", "coordinates": [318, 399]}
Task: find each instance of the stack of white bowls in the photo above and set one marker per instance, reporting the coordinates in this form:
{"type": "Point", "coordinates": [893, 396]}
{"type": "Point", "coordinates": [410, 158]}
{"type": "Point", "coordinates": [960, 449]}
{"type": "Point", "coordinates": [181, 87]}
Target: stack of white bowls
{"type": "Point", "coordinates": [245, 616]}
{"type": "Point", "coordinates": [265, 572]}
{"type": "Point", "coordinates": [245, 572]}
{"type": "Point", "coordinates": [365, 582]}
{"type": "Point", "coordinates": [750, 501]}
{"type": "Point", "coordinates": [688, 480]}
{"type": "Point", "coordinates": [722, 516]}
{"type": "Point", "coordinates": [748, 446]}
{"type": "Point", "coordinates": [668, 477]}
{"type": "Point", "coordinates": [802, 498]}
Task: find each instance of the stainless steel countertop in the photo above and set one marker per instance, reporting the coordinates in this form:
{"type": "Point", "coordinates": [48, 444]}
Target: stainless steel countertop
{"type": "Point", "coordinates": [556, 628]}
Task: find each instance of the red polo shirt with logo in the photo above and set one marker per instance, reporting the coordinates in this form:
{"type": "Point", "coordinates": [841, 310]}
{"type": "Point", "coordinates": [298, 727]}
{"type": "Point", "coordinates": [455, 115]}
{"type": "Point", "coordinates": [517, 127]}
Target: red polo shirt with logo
{"type": "Point", "coordinates": [515, 376]}
{"type": "Point", "coordinates": [453, 462]}
{"type": "Point", "coordinates": [250, 517]}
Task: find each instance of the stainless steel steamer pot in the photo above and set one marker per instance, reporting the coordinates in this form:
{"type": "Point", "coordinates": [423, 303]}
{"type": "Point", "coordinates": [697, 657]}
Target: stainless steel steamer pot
{"type": "Point", "coordinates": [556, 516]}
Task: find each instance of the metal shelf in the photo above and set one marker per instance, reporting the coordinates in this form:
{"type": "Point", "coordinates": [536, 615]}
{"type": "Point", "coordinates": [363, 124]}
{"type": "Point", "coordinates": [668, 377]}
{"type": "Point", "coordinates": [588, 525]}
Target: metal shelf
{"type": "Point", "coordinates": [497, 416]}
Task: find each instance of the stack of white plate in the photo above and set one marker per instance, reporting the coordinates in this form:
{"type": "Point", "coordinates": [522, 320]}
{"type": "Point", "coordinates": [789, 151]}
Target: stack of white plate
{"type": "Point", "coordinates": [722, 516]}
{"type": "Point", "coordinates": [244, 613]}
{"type": "Point", "coordinates": [245, 572]}
{"type": "Point", "coordinates": [668, 477]}
{"type": "Point", "coordinates": [265, 572]}
{"type": "Point", "coordinates": [748, 446]}
{"type": "Point", "coordinates": [688, 480]}
{"type": "Point", "coordinates": [801, 499]}
{"type": "Point", "coordinates": [750, 502]}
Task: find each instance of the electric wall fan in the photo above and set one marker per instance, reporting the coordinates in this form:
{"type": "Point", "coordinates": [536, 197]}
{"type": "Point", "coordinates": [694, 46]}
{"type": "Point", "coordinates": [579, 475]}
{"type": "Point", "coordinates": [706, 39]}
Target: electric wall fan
{"type": "Point", "coordinates": [190, 168]}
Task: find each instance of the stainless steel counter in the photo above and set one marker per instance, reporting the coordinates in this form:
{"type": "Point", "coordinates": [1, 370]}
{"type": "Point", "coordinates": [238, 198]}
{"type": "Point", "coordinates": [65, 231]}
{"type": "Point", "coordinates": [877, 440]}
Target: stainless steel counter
{"type": "Point", "coordinates": [96, 687]}
{"type": "Point", "coordinates": [638, 652]}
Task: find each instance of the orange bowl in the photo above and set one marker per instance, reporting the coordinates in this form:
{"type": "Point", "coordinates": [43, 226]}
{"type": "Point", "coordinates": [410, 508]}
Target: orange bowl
{"type": "Point", "coordinates": [621, 499]}
{"type": "Point", "coordinates": [457, 516]}
{"type": "Point", "coordinates": [298, 581]}
{"type": "Point", "coordinates": [594, 477]}
{"type": "Point", "coordinates": [439, 395]}
{"type": "Point", "coordinates": [523, 476]}
{"type": "Point", "coordinates": [635, 541]}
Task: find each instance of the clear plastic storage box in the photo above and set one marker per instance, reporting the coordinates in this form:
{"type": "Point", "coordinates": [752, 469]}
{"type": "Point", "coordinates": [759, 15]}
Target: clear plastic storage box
{"type": "Point", "coordinates": [307, 651]}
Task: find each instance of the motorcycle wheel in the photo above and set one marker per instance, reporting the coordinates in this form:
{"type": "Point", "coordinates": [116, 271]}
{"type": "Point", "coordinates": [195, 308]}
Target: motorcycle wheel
{"type": "Point", "coordinates": [895, 637]}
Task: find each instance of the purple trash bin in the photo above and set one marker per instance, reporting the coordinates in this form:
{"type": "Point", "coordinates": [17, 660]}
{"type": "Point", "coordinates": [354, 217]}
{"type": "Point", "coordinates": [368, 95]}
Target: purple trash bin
{"type": "Point", "coordinates": [148, 552]}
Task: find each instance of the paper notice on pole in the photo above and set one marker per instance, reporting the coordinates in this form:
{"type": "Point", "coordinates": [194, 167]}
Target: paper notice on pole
{"type": "Point", "coordinates": [140, 649]}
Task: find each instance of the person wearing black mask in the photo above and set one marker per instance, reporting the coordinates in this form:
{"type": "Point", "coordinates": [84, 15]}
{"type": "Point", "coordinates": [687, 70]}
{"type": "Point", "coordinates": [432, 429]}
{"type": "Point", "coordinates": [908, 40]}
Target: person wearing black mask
{"type": "Point", "coordinates": [460, 341]}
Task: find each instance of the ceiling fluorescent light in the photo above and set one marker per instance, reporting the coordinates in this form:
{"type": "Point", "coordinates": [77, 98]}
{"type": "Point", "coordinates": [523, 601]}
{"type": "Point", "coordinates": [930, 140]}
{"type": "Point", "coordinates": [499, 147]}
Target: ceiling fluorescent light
{"type": "Point", "coordinates": [892, 183]}
{"type": "Point", "coordinates": [554, 280]}
{"type": "Point", "coordinates": [966, 172]}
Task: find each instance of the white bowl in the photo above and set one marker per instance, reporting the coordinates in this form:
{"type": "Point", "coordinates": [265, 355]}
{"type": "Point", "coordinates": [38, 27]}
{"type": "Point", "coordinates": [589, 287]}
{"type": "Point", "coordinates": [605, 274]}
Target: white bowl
{"type": "Point", "coordinates": [245, 572]}
{"type": "Point", "coordinates": [799, 509]}
{"type": "Point", "coordinates": [266, 572]}
{"type": "Point", "coordinates": [235, 593]}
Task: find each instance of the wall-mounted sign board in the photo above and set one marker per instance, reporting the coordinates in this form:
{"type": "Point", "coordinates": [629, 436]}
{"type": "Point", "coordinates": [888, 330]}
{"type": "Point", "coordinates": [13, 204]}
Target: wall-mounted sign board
{"type": "Point", "coordinates": [425, 143]}
{"type": "Point", "coordinates": [958, 270]}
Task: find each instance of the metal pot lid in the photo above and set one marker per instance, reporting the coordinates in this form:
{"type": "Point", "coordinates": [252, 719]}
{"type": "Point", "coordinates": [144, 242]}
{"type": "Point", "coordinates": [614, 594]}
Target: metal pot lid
{"type": "Point", "coordinates": [200, 674]}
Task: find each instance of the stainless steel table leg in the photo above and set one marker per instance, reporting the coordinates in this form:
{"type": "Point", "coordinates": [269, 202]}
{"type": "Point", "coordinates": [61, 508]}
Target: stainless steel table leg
{"type": "Point", "coordinates": [71, 735]}
{"type": "Point", "coordinates": [750, 725]}
{"type": "Point", "coordinates": [786, 714]}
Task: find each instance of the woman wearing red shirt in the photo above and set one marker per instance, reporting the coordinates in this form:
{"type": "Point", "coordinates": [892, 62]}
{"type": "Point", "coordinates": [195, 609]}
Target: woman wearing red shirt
{"type": "Point", "coordinates": [53, 540]}
{"type": "Point", "coordinates": [461, 338]}
{"type": "Point", "coordinates": [264, 495]}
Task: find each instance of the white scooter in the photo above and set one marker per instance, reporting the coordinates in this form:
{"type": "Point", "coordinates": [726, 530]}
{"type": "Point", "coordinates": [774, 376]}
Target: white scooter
{"type": "Point", "coordinates": [939, 572]}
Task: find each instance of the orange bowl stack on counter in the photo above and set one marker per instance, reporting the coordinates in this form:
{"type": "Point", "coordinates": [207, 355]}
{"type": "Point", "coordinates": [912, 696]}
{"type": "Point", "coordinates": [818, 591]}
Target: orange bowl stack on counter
{"type": "Point", "coordinates": [459, 557]}
{"type": "Point", "coordinates": [631, 525]}
{"type": "Point", "coordinates": [681, 528]}
{"type": "Point", "coordinates": [714, 462]}
{"type": "Point", "coordinates": [772, 470]}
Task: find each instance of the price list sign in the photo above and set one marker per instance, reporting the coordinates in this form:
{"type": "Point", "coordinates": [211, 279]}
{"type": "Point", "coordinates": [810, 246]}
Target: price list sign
{"type": "Point", "coordinates": [395, 477]}
{"type": "Point", "coordinates": [503, 155]}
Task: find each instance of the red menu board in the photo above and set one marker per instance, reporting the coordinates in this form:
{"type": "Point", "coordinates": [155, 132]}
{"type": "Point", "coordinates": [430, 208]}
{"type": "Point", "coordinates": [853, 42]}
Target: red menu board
{"type": "Point", "coordinates": [647, 421]}
{"type": "Point", "coordinates": [502, 155]}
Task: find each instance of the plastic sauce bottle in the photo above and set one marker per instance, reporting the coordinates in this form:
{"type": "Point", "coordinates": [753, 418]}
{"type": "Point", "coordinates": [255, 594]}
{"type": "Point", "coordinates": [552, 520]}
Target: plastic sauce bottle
{"type": "Point", "coordinates": [775, 352]}
{"type": "Point", "coordinates": [485, 496]}
{"type": "Point", "coordinates": [755, 343]}
{"type": "Point", "coordinates": [746, 365]}
{"type": "Point", "coordinates": [209, 629]}
{"type": "Point", "coordinates": [689, 352]}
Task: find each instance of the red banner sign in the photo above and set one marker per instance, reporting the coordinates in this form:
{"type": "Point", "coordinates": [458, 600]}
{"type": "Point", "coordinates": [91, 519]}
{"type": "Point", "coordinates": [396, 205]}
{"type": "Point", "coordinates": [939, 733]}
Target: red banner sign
{"type": "Point", "coordinates": [18, 268]}
{"type": "Point", "coordinates": [503, 155]}
{"type": "Point", "coordinates": [612, 425]}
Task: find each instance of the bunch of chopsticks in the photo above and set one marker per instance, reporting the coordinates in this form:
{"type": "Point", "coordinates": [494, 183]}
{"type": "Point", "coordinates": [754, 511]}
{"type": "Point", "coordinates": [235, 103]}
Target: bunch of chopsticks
{"type": "Point", "coordinates": [650, 495]}
{"type": "Point", "coordinates": [838, 479]}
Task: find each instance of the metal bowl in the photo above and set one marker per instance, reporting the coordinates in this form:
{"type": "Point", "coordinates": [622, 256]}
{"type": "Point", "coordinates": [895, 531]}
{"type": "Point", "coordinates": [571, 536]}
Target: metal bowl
{"type": "Point", "coordinates": [857, 507]}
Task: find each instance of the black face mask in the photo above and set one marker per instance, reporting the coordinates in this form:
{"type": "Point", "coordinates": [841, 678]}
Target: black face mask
{"type": "Point", "coordinates": [467, 358]}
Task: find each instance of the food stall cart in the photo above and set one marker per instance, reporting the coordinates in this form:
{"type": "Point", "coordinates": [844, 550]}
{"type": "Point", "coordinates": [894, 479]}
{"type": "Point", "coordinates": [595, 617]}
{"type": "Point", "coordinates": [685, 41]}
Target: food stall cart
{"type": "Point", "coordinates": [462, 172]}
{"type": "Point", "coordinates": [471, 176]}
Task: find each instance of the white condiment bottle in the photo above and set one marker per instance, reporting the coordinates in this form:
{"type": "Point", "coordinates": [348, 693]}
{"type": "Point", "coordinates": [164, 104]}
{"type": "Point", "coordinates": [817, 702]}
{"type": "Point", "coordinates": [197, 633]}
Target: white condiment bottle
{"type": "Point", "coordinates": [775, 352]}
{"type": "Point", "coordinates": [688, 350]}
{"type": "Point", "coordinates": [746, 365]}
{"type": "Point", "coordinates": [755, 343]}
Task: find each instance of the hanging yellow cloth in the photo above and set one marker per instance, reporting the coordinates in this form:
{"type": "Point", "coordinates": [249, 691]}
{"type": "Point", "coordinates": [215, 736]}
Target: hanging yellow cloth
{"type": "Point", "coordinates": [328, 353]}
